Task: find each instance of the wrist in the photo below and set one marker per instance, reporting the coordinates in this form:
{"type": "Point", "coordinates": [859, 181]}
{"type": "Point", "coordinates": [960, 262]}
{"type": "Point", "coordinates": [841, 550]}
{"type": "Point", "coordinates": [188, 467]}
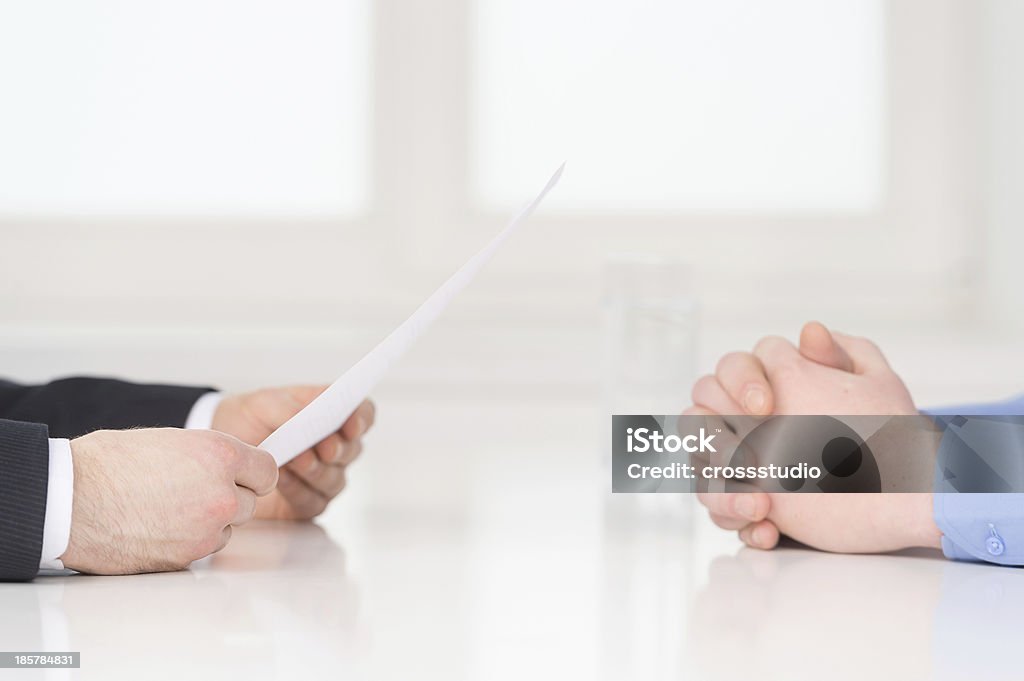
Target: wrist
{"type": "Point", "coordinates": [922, 529]}
{"type": "Point", "coordinates": [922, 504]}
{"type": "Point", "coordinates": [84, 552]}
{"type": "Point", "coordinates": [72, 556]}
{"type": "Point", "coordinates": [905, 449]}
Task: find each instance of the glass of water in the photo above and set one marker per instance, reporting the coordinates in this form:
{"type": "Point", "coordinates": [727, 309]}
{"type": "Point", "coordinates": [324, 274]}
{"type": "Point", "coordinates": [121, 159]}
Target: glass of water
{"type": "Point", "coordinates": [650, 342]}
{"type": "Point", "coordinates": [650, 335]}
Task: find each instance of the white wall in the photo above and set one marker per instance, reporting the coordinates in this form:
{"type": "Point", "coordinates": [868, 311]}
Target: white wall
{"type": "Point", "coordinates": [245, 300]}
{"type": "Point", "coordinates": [1004, 145]}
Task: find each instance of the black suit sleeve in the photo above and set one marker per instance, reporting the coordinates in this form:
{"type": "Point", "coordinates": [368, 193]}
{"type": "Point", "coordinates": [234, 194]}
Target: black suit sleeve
{"type": "Point", "coordinates": [24, 475]}
{"type": "Point", "coordinates": [65, 408]}
{"type": "Point", "coordinates": [76, 406]}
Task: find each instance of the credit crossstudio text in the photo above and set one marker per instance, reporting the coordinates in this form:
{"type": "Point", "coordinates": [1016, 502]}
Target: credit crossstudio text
{"type": "Point", "coordinates": [643, 441]}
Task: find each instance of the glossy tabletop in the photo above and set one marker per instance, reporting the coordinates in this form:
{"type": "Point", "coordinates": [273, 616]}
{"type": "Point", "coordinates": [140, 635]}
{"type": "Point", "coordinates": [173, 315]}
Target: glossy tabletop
{"type": "Point", "coordinates": [478, 540]}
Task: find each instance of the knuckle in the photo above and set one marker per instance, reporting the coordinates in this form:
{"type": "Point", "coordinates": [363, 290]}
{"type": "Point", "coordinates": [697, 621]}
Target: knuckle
{"type": "Point", "coordinates": [720, 504]}
{"type": "Point", "coordinates": [307, 463]}
{"type": "Point", "coordinates": [205, 547]}
{"type": "Point", "coordinates": [710, 501]}
{"type": "Point", "coordinates": [720, 521]}
{"type": "Point", "coordinates": [286, 479]}
{"type": "Point", "coordinates": [222, 448]}
{"type": "Point", "coordinates": [216, 541]}
{"type": "Point", "coordinates": [730, 361]}
{"type": "Point", "coordinates": [267, 462]}
{"type": "Point", "coordinates": [330, 450]}
{"type": "Point", "coordinates": [313, 505]}
{"type": "Point", "coordinates": [355, 449]}
{"type": "Point", "coordinates": [694, 410]}
{"type": "Point", "coordinates": [866, 345]}
{"type": "Point", "coordinates": [270, 470]}
{"type": "Point", "coordinates": [223, 507]}
{"type": "Point", "coordinates": [785, 372]}
{"type": "Point", "coordinates": [223, 539]}
{"type": "Point", "coordinates": [180, 557]}
{"type": "Point", "coordinates": [319, 505]}
{"type": "Point", "coordinates": [213, 542]}
{"type": "Point", "coordinates": [701, 387]}
{"type": "Point", "coordinates": [769, 343]}
{"type": "Point", "coordinates": [231, 506]}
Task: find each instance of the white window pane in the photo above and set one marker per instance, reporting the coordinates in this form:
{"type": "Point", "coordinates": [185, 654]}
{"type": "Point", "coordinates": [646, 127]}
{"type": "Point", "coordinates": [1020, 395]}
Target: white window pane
{"type": "Point", "coordinates": [729, 106]}
{"type": "Point", "coordinates": [198, 107]}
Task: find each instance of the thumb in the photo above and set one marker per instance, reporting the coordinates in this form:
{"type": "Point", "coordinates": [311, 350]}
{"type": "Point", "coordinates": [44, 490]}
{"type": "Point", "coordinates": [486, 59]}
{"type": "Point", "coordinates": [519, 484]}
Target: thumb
{"type": "Point", "coordinates": [818, 345]}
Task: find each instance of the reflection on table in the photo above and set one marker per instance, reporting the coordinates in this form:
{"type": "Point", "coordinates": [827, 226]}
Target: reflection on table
{"type": "Point", "coordinates": [495, 551]}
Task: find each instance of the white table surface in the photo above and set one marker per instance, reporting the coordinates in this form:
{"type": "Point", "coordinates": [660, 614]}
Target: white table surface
{"type": "Point", "coordinates": [478, 540]}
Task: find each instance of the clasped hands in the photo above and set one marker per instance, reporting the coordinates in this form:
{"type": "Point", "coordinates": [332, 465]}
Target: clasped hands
{"type": "Point", "coordinates": [827, 373]}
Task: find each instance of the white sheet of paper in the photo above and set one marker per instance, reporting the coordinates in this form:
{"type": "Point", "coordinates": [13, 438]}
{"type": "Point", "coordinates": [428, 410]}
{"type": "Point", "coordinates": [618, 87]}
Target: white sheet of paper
{"type": "Point", "coordinates": [331, 408]}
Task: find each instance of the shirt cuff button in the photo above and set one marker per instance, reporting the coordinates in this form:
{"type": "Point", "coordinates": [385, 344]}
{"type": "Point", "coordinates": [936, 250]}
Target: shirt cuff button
{"type": "Point", "coordinates": [994, 544]}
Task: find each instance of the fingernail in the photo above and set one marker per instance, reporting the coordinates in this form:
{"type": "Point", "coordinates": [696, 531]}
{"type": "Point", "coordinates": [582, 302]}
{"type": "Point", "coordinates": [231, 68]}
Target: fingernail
{"type": "Point", "coordinates": [338, 450]}
{"type": "Point", "coordinates": [746, 506]}
{"type": "Point", "coordinates": [360, 425]}
{"type": "Point", "coordinates": [757, 537]}
{"type": "Point", "coordinates": [754, 401]}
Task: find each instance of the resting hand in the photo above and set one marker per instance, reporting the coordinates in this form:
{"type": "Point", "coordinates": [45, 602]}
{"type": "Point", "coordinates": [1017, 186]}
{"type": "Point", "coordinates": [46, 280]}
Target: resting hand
{"type": "Point", "coordinates": [157, 499]}
{"type": "Point", "coordinates": [829, 374]}
{"type": "Point", "coordinates": [311, 480]}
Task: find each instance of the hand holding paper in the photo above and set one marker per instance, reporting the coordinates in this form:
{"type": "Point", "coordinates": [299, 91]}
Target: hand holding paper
{"type": "Point", "coordinates": [318, 474]}
{"type": "Point", "coordinates": [326, 413]}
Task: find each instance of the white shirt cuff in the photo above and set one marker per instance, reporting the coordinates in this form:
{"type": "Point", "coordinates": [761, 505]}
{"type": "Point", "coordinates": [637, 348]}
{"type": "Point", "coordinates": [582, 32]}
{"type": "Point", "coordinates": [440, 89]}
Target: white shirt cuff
{"type": "Point", "coordinates": [201, 416]}
{"type": "Point", "coordinates": [59, 494]}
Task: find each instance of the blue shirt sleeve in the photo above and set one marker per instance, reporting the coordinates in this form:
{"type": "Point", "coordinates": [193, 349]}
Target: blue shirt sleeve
{"type": "Point", "coordinates": [985, 527]}
{"type": "Point", "coordinates": [1011, 407]}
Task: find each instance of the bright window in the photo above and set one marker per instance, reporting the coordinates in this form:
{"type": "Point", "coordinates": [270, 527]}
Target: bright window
{"type": "Point", "coordinates": [688, 106]}
{"type": "Point", "coordinates": [194, 107]}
